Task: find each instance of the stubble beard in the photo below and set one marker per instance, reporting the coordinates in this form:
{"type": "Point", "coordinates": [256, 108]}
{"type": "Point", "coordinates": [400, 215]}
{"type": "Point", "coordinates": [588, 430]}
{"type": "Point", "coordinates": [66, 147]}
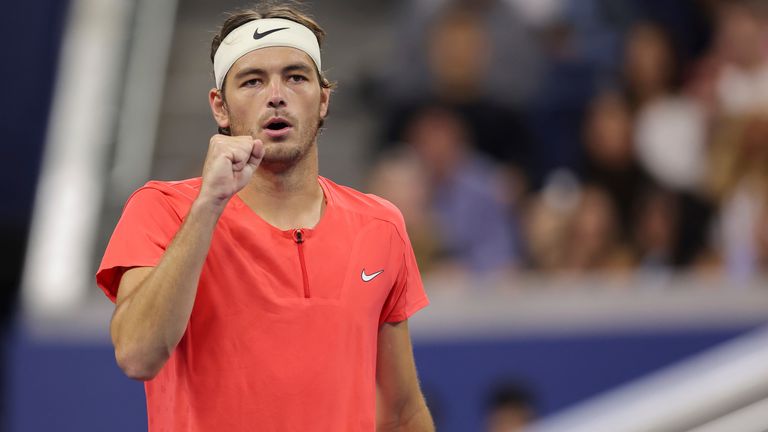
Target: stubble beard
{"type": "Point", "coordinates": [287, 151]}
{"type": "Point", "coordinates": [282, 154]}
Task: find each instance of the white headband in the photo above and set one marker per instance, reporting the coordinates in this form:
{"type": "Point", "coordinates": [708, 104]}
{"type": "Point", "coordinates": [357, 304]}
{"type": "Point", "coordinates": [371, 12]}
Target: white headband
{"type": "Point", "coordinates": [263, 33]}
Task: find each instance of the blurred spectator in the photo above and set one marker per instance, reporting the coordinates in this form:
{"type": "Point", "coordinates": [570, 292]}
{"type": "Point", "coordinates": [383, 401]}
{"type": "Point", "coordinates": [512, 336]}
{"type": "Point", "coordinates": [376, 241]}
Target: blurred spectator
{"type": "Point", "coordinates": [510, 408]}
{"type": "Point", "coordinates": [546, 220]}
{"type": "Point", "coordinates": [467, 198]}
{"type": "Point", "coordinates": [739, 183]}
{"type": "Point", "coordinates": [742, 84]}
{"type": "Point", "coordinates": [642, 155]}
{"type": "Point", "coordinates": [688, 24]}
{"type": "Point", "coordinates": [556, 113]}
{"type": "Point", "coordinates": [610, 159]}
{"type": "Point", "coordinates": [490, 32]}
{"type": "Point", "coordinates": [669, 140]}
{"type": "Point", "coordinates": [670, 128]}
{"type": "Point", "coordinates": [656, 229]}
{"type": "Point", "coordinates": [583, 41]}
{"type": "Point", "coordinates": [594, 244]}
{"type": "Point", "coordinates": [574, 230]}
{"type": "Point", "coordinates": [733, 77]}
{"type": "Point", "coordinates": [650, 70]}
{"type": "Point", "coordinates": [599, 27]}
{"type": "Point", "coordinates": [458, 55]}
{"type": "Point", "coordinates": [468, 68]}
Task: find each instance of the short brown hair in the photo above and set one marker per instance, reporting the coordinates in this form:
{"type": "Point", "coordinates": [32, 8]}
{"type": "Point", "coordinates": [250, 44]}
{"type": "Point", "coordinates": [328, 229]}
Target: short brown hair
{"type": "Point", "coordinates": [269, 9]}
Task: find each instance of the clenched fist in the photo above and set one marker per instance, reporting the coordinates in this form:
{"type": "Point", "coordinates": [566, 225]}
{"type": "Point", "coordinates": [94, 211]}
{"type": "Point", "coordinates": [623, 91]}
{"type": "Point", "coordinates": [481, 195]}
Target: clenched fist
{"type": "Point", "coordinates": [229, 165]}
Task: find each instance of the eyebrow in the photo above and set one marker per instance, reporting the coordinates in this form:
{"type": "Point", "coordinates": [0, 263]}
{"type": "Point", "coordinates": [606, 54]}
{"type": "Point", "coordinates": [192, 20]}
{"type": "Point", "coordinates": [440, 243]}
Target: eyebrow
{"type": "Point", "coordinates": [296, 67]}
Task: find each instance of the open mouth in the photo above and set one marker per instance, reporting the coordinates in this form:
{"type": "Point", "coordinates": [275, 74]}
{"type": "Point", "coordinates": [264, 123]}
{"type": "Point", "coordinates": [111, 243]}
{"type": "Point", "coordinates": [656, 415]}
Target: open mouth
{"type": "Point", "coordinates": [277, 124]}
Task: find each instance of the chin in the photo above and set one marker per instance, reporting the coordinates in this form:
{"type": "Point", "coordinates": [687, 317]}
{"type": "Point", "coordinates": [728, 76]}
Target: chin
{"type": "Point", "coordinates": [278, 145]}
{"type": "Point", "coordinates": [281, 152]}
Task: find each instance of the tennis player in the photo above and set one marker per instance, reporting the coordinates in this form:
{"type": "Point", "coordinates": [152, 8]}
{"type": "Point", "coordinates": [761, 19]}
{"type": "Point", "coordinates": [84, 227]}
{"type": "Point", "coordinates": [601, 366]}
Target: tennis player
{"type": "Point", "coordinates": [262, 296]}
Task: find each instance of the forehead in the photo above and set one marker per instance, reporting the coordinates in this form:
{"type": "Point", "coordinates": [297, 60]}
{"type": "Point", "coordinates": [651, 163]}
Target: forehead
{"type": "Point", "coordinates": [272, 59]}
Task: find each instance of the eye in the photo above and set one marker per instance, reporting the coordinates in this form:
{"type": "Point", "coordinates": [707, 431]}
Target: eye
{"type": "Point", "coordinates": [297, 78]}
{"type": "Point", "coordinates": [252, 82]}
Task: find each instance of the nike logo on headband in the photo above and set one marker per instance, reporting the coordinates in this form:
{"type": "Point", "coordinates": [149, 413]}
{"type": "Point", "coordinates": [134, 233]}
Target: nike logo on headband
{"type": "Point", "coordinates": [257, 35]}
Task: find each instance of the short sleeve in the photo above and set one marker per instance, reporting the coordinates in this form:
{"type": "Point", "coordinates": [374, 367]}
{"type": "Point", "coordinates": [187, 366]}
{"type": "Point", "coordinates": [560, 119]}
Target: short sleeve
{"type": "Point", "coordinates": [407, 295]}
{"type": "Point", "coordinates": [142, 234]}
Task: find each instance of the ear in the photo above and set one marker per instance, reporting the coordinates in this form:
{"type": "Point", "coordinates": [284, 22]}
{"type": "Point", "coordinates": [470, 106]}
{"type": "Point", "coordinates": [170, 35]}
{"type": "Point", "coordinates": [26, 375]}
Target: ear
{"type": "Point", "coordinates": [325, 100]}
{"type": "Point", "coordinates": [218, 108]}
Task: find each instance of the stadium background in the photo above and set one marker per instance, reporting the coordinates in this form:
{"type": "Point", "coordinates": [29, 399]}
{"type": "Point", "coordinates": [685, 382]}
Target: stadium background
{"type": "Point", "coordinates": [584, 183]}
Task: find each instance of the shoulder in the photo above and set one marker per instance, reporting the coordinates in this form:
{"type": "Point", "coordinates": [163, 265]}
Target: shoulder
{"type": "Point", "coordinates": [369, 205]}
{"type": "Point", "coordinates": [182, 188]}
{"type": "Point", "coordinates": [177, 194]}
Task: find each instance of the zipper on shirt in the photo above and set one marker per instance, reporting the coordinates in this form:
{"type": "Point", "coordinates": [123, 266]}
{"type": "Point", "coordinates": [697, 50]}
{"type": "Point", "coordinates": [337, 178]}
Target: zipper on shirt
{"type": "Point", "coordinates": [298, 237]}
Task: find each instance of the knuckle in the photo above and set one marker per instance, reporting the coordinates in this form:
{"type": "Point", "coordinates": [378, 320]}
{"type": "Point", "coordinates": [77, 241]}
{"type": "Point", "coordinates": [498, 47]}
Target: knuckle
{"type": "Point", "coordinates": [215, 142]}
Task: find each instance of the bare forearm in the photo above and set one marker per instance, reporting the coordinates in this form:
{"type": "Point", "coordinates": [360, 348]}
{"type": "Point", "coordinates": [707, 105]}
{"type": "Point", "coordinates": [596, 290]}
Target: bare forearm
{"type": "Point", "coordinates": [421, 421]}
{"type": "Point", "coordinates": [152, 314]}
{"type": "Point", "coordinates": [417, 420]}
{"type": "Point", "coordinates": [148, 325]}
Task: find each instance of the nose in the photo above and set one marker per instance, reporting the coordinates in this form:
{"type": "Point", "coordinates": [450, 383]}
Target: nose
{"type": "Point", "coordinates": [276, 95]}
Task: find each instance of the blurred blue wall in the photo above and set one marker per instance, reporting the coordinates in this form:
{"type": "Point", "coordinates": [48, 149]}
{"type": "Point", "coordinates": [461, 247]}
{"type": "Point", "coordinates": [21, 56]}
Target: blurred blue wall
{"type": "Point", "coordinates": [66, 386]}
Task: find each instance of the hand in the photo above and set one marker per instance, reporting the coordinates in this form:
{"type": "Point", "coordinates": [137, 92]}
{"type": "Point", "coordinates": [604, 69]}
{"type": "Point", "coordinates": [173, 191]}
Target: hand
{"type": "Point", "coordinates": [229, 165]}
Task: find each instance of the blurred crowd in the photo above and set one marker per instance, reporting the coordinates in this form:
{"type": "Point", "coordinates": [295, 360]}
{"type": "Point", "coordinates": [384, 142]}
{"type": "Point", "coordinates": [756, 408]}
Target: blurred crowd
{"type": "Point", "coordinates": [579, 136]}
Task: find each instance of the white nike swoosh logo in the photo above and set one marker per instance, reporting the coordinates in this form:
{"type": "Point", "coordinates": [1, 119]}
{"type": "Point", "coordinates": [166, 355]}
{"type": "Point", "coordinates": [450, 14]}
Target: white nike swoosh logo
{"type": "Point", "coordinates": [368, 278]}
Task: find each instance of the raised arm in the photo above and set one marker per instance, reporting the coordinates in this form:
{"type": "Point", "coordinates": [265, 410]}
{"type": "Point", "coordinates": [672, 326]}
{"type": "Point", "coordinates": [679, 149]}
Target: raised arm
{"type": "Point", "coordinates": [154, 303]}
{"type": "Point", "coordinates": [400, 406]}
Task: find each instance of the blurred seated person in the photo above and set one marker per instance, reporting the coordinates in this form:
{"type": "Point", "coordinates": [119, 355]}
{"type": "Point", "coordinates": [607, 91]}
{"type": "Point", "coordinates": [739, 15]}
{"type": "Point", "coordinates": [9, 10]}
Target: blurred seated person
{"type": "Point", "coordinates": [546, 217]}
{"type": "Point", "coordinates": [456, 200]}
{"type": "Point", "coordinates": [670, 131]}
{"type": "Point", "coordinates": [611, 162]}
{"type": "Point", "coordinates": [592, 236]}
{"type": "Point", "coordinates": [732, 79]}
{"type": "Point", "coordinates": [656, 229]}
{"type": "Point", "coordinates": [462, 72]}
{"type": "Point", "coordinates": [573, 230]}
{"type": "Point", "coordinates": [738, 182]}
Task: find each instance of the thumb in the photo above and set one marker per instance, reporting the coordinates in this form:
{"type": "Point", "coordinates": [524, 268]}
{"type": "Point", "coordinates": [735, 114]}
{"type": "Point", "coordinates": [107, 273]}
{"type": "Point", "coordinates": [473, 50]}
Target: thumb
{"type": "Point", "coordinates": [257, 153]}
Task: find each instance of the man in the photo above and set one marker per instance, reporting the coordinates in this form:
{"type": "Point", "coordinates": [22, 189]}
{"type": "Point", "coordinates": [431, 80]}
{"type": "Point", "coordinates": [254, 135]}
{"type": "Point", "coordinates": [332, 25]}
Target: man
{"type": "Point", "coordinates": [263, 296]}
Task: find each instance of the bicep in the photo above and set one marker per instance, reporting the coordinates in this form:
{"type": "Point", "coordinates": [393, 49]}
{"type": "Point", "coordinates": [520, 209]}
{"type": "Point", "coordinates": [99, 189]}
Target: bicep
{"type": "Point", "coordinates": [129, 283]}
{"type": "Point", "coordinates": [130, 280]}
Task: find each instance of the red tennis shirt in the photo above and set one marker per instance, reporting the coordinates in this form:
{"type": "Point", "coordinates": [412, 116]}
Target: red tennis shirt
{"type": "Point", "coordinates": [283, 332]}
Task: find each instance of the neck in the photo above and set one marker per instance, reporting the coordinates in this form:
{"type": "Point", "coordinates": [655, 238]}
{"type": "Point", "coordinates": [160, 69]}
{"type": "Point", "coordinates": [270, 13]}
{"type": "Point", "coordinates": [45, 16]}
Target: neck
{"type": "Point", "coordinates": [287, 197]}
